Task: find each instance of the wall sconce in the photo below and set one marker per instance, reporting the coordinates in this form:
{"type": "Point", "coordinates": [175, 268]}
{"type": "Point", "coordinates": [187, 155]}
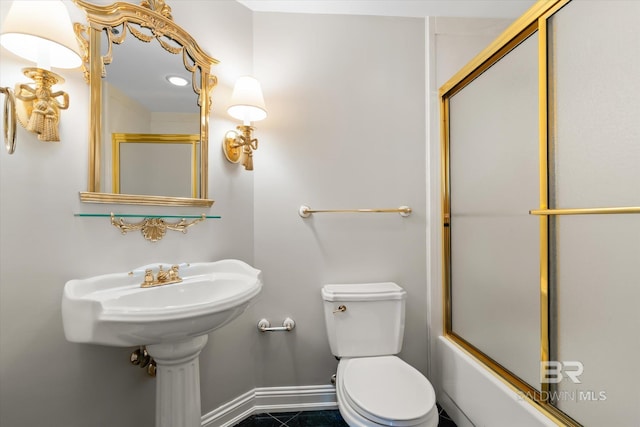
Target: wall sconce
{"type": "Point", "coordinates": [41, 32]}
{"type": "Point", "coordinates": [247, 104]}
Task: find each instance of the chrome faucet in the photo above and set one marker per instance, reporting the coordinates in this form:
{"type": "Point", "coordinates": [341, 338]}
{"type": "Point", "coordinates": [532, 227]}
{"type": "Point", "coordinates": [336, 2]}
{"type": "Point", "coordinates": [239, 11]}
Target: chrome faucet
{"type": "Point", "coordinates": [164, 277]}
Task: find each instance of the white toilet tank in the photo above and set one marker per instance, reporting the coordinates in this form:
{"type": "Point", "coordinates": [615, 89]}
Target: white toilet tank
{"type": "Point", "coordinates": [371, 323]}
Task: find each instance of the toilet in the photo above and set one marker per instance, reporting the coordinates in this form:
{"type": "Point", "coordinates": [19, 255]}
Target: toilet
{"type": "Point", "coordinates": [365, 327]}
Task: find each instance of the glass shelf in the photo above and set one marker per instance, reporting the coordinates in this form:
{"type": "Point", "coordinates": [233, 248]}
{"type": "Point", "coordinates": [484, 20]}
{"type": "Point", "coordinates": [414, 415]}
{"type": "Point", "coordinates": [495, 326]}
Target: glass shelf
{"type": "Point", "coordinates": [108, 215]}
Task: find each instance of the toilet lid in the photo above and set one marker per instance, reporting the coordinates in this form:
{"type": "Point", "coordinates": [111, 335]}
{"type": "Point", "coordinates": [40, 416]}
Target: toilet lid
{"type": "Point", "coordinates": [385, 389]}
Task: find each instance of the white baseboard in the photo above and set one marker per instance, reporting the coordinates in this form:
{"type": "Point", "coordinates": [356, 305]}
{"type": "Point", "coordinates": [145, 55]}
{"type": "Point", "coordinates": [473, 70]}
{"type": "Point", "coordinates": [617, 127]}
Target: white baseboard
{"type": "Point", "coordinates": [272, 399]}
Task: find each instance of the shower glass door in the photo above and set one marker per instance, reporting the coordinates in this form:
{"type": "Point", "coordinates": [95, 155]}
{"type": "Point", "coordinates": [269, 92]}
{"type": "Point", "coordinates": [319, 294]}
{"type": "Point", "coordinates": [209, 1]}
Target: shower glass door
{"type": "Point", "coordinates": [493, 152]}
{"type": "Point", "coordinates": [594, 164]}
{"type": "Point", "coordinates": [541, 209]}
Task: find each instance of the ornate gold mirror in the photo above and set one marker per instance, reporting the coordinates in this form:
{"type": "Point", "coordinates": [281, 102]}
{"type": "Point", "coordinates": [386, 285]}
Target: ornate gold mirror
{"type": "Point", "coordinates": [130, 52]}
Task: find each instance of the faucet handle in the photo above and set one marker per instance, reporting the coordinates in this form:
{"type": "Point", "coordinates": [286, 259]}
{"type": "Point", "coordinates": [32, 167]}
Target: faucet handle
{"type": "Point", "coordinates": [148, 277]}
{"type": "Point", "coordinates": [173, 272]}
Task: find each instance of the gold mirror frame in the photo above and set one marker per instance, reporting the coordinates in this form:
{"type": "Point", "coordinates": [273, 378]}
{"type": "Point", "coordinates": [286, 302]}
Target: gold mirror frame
{"type": "Point", "coordinates": [155, 16]}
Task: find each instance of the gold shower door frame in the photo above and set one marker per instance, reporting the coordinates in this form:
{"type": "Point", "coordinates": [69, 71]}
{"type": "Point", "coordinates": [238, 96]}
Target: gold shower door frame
{"type": "Point", "coordinates": [534, 20]}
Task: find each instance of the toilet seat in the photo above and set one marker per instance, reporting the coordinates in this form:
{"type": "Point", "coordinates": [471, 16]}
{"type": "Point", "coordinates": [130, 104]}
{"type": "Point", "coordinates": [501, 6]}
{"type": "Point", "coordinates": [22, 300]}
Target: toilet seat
{"type": "Point", "coordinates": [386, 391]}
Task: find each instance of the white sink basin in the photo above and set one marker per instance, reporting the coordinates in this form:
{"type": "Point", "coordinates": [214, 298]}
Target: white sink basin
{"type": "Point", "coordinates": [171, 320]}
{"type": "Point", "coordinates": [114, 310]}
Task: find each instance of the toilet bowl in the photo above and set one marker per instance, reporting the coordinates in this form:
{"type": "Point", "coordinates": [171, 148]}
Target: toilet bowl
{"type": "Point", "coordinates": [365, 327]}
{"type": "Point", "coordinates": [384, 391]}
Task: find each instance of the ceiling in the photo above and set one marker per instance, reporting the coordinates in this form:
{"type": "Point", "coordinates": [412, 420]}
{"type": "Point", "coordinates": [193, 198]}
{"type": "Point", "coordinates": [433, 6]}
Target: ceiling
{"type": "Point", "coordinates": [405, 8]}
{"type": "Point", "coordinates": [168, 98]}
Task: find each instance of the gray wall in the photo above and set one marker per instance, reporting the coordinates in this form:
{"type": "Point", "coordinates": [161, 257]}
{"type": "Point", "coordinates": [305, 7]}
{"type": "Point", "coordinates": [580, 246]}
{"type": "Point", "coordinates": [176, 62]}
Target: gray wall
{"type": "Point", "coordinates": [346, 129]}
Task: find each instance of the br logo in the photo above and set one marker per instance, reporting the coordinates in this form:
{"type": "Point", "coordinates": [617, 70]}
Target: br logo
{"type": "Point", "coordinates": [553, 371]}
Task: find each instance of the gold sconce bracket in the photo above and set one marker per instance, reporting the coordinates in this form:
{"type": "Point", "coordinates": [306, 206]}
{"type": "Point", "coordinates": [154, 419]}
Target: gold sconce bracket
{"type": "Point", "coordinates": [37, 107]}
{"type": "Point", "coordinates": [240, 146]}
{"type": "Point", "coordinates": [34, 106]}
{"type": "Point", "coordinates": [231, 149]}
{"type": "Point", "coordinates": [154, 229]}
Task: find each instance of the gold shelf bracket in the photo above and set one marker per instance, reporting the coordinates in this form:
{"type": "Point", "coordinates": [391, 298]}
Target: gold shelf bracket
{"type": "Point", "coordinates": [154, 228]}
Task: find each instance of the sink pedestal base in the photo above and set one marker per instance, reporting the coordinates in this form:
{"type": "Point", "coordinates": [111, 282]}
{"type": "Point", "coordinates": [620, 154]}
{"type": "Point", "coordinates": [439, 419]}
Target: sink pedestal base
{"type": "Point", "coordinates": [178, 382]}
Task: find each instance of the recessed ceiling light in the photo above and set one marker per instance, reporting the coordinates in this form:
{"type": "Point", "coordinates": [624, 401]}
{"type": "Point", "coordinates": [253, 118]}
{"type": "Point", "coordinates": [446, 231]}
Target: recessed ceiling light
{"type": "Point", "coordinates": [178, 81]}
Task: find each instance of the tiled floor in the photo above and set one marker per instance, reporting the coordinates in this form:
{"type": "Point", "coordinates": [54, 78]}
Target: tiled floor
{"type": "Point", "coordinates": [312, 419]}
{"type": "Point", "coordinates": [296, 419]}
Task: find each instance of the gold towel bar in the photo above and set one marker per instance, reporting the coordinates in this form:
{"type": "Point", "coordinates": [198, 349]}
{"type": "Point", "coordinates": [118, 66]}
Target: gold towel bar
{"type": "Point", "coordinates": [306, 211]}
{"type": "Point", "coordinates": [586, 211]}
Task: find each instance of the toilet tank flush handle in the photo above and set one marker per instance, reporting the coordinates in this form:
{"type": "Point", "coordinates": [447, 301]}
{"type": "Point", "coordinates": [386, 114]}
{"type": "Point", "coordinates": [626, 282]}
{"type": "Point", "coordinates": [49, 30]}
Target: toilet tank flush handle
{"type": "Point", "coordinates": [340, 309]}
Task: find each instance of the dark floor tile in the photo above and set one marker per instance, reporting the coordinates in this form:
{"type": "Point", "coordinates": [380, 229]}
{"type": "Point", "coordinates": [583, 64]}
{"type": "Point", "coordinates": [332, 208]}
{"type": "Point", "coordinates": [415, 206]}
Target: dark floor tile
{"type": "Point", "coordinates": [260, 420]}
{"type": "Point", "coordinates": [268, 420]}
{"type": "Point", "coordinates": [285, 417]}
{"type": "Point", "coordinates": [445, 420]}
{"type": "Point", "coordinates": [318, 419]}
{"type": "Point", "coordinates": [247, 422]}
{"type": "Point", "coordinates": [330, 418]}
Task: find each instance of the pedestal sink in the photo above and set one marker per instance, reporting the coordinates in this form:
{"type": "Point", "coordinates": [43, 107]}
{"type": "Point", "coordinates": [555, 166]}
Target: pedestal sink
{"type": "Point", "coordinates": [172, 320]}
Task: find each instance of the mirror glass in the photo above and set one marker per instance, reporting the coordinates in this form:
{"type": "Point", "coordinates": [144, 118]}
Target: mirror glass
{"type": "Point", "coordinates": [156, 164]}
{"type": "Point", "coordinates": [131, 52]}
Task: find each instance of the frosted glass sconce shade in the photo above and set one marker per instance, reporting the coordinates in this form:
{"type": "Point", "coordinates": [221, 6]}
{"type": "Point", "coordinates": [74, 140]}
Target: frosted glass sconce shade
{"type": "Point", "coordinates": [247, 102]}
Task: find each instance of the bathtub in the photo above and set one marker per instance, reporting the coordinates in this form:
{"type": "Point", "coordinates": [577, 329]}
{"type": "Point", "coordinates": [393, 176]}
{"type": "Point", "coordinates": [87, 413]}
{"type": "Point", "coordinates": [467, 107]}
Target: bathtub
{"type": "Point", "coordinates": [474, 396]}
